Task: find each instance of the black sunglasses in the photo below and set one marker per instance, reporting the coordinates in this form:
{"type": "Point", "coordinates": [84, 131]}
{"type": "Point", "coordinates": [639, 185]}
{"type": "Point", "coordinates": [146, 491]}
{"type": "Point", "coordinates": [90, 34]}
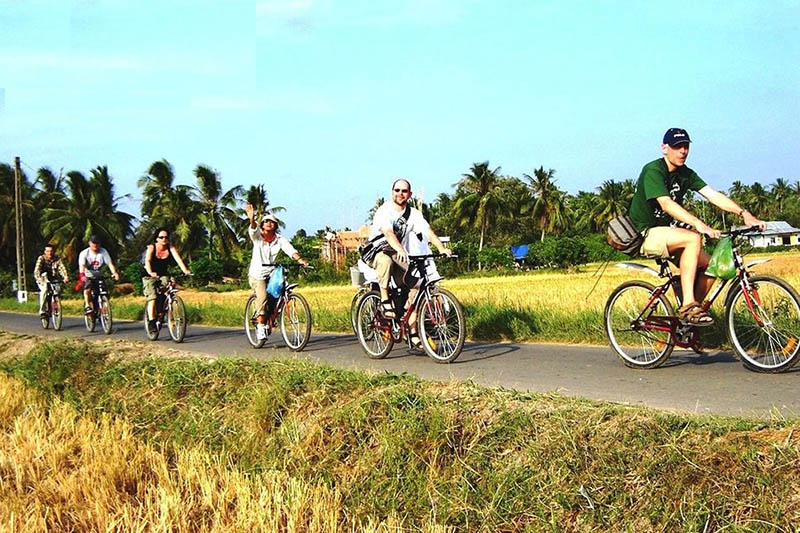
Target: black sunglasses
{"type": "Point", "coordinates": [163, 237]}
{"type": "Point", "coordinates": [401, 190]}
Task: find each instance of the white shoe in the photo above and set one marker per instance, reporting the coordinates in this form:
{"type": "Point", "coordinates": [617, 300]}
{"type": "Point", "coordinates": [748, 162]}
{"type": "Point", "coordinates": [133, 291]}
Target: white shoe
{"type": "Point", "coordinates": [261, 331]}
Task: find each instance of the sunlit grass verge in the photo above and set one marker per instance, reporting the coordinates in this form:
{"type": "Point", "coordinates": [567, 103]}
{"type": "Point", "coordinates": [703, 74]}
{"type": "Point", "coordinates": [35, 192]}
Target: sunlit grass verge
{"type": "Point", "coordinates": [206, 436]}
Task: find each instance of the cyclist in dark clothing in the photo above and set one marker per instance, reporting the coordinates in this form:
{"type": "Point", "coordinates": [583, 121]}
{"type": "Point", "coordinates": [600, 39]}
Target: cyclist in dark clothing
{"type": "Point", "coordinates": [159, 256]}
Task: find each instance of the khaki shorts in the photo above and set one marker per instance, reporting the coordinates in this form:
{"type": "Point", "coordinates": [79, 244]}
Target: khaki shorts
{"type": "Point", "coordinates": [655, 242]}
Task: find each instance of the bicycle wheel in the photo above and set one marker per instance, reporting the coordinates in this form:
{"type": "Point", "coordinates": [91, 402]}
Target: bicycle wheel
{"type": "Point", "coordinates": [90, 320]}
{"type": "Point", "coordinates": [55, 312]}
{"type": "Point", "coordinates": [296, 322]}
{"type": "Point", "coordinates": [105, 314]}
{"type": "Point", "coordinates": [441, 326]}
{"type": "Point", "coordinates": [176, 319]}
{"type": "Point", "coordinates": [354, 308]}
{"type": "Point", "coordinates": [376, 341]}
{"type": "Point", "coordinates": [638, 346]}
{"type": "Point", "coordinates": [45, 320]}
{"type": "Point", "coordinates": [764, 324]}
{"type": "Point", "coordinates": [250, 314]}
{"type": "Point", "coordinates": [152, 334]}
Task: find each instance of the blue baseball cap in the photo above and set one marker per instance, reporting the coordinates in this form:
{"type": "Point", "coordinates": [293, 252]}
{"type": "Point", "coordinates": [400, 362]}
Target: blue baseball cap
{"type": "Point", "coordinates": [676, 136]}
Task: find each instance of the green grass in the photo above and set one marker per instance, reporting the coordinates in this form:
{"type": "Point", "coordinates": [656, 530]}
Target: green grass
{"type": "Point", "coordinates": [470, 457]}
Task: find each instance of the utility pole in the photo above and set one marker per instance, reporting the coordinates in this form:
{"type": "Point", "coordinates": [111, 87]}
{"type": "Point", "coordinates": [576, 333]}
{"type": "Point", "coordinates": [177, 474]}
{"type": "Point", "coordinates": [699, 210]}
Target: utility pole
{"type": "Point", "coordinates": [22, 287]}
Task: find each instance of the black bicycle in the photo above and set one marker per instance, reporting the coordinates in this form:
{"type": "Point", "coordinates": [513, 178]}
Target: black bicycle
{"type": "Point", "coordinates": [169, 309]}
{"type": "Point", "coordinates": [291, 310]}
{"type": "Point", "coordinates": [52, 312]}
{"type": "Point", "coordinates": [101, 306]}
{"type": "Point", "coordinates": [440, 318]}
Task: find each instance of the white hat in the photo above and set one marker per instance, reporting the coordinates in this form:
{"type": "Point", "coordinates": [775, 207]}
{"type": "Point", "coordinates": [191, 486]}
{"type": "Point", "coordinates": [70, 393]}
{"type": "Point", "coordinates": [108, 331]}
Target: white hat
{"type": "Point", "coordinates": [269, 216]}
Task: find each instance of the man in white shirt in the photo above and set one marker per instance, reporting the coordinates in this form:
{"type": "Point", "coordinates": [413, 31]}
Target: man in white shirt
{"type": "Point", "coordinates": [90, 264]}
{"type": "Point", "coordinates": [267, 244]}
{"type": "Point", "coordinates": [398, 222]}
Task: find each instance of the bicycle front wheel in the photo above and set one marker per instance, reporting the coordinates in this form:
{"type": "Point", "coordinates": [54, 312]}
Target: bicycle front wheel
{"type": "Point", "coordinates": [90, 319]}
{"type": "Point", "coordinates": [296, 322]}
{"type": "Point", "coordinates": [376, 341]}
{"type": "Point", "coordinates": [250, 321]}
{"type": "Point", "coordinates": [638, 345]}
{"type": "Point", "coordinates": [764, 324]}
{"type": "Point", "coordinates": [45, 320]}
{"type": "Point", "coordinates": [55, 312]}
{"type": "Point", "coordinates": [176, 319]}
{"type": "Point", "coordinates": [442, 329]}
{"type": "Point", "coordinates": [105, 314]}
{"type": "Point", "coordinates": [354, 308]}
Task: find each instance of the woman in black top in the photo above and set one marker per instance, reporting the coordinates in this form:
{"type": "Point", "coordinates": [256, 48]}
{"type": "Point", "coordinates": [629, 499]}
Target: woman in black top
{"type": "Point", "coordinates": [159, 256]}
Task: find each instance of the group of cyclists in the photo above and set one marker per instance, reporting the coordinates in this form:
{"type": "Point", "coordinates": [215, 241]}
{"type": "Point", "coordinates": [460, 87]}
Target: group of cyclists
{"type": "Point", "coordinates": [667, 230]}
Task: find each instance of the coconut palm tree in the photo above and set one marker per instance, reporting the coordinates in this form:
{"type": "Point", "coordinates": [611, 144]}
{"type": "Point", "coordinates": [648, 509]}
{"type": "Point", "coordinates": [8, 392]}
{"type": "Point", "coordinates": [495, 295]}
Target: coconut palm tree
{"type": "Point", "coordinates": [781, 191]}
{"type": "Point", "coordinates": [256, 195]}
{"type": "Point", "coordinates": [158, 191]}
{"type": "Point", "coordinates": [547, 198]}
{"type": "Point", "coordinates": [613, 199]}
{"type": "Point", "coordinates": [218, 209]}
{"type": "Point", "coordinates": [758, 199]}
{"type": "Point", "coordinates": [479, 199]}
{"type": "Point", "coordinates": [88, 208]}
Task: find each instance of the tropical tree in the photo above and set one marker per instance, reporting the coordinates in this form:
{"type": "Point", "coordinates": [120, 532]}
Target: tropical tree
{"type": "Point", "coordinates": [158, 191]}
{"type": "Point", "coordinates": [479, 199]}
{"type": "Point", "coordinates": [217, 209]}
{"type": "Point", "coordinates": [781, 191]}
{"type": "Point", "coordinates": [88, 208]}
{"type": "Point", "coordinates": [758, 200]}
{"type": "Point", "coordinates": [548, 200]}
{"type": "Point", "coordinates": [583, 206]}
{"type": "Point", "coordinates": [8, 225]}
{"type": "Point", "coordinates": [613, 199]}
{"type": "Point", "coordinates": [256, 195]}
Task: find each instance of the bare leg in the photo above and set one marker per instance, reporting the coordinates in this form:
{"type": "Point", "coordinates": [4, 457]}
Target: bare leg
{"type": "Point", "coordinates": [86, 297]}
{"type": "Point", "coordinates": [151, 310]}
{"type": "Point", "coordinates": [689, 244]}
{"type": "Point", "coordinates": [703, 283]}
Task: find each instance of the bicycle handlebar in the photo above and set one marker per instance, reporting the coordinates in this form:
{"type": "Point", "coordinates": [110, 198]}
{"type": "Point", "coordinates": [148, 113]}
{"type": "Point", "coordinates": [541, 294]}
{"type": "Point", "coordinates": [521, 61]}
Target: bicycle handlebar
{"type": "Point", "coordinates": [300, 265]}
{"type": "Point", "coordinates": [742, 231]}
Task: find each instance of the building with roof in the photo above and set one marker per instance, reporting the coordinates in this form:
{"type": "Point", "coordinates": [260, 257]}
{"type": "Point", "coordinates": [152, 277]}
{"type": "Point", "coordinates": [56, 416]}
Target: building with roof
{"type": "Point", "coordinates": [777, 233]}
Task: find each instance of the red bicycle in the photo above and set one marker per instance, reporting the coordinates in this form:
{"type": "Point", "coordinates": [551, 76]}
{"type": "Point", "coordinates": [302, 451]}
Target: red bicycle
{"type": "Point", "coordinates": [762, 317]}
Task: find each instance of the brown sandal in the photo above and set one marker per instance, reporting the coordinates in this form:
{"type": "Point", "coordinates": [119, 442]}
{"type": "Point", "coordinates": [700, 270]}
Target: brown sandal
{"type": "Point", "coordinates": [693, 314]}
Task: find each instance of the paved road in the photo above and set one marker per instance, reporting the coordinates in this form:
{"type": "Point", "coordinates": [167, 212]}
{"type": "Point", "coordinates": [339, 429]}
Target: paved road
{"type": "Point", "coordinates": [710, 384]}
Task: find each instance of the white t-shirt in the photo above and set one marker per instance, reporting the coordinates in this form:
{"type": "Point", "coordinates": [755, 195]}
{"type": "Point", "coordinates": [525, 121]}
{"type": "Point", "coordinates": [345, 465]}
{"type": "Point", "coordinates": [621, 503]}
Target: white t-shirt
{"type": "Point", "coordinates": [93, 262]}
{"type": "Point", "coordinates": [266, 252]}
{"type": "Point", "coordinates": [387, 215]}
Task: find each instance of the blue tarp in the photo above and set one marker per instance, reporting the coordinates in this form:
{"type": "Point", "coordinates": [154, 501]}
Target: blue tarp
{"type": "Point", "coordinates": [519, 251]}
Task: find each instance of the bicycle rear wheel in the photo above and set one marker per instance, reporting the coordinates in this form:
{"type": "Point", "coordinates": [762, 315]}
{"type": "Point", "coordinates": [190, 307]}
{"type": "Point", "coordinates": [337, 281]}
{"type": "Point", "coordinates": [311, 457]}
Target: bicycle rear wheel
{"type": "Point", "coordinates": [637, 345]}
{"type": "Point", "coordinates": [176, 319]}
{"type": "Point", "coordinates": [55, 312]}
{"type": "Point", "coordinates": [442, 329]}
{"type": "Point", "coordinates": [764, 324]}
{"type": "Point", "coordinates": [377, 342]}
{"type": "Point", "coordinates": [106, 319]}
{"type": "Point", "coordinates": [250, 321]}
{"type": "Point", "coordinates": [296, 322]}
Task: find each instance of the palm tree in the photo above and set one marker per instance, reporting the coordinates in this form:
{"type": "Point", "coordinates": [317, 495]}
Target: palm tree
{"type": "Point", "coordinates": [158, 191]}
{"type": "Point", "coordinates": [781, 190]}
{"type": "Point", "coordinates": [257, 196]}
{"type": "Point", "coordinates": [479, 199]}
{"type": "Point", "coordinates": [758, 199]}
{"type": "Point", "coordinates": [546, 195]}
{"type": "Point", "coordinates": [613, 199]}
{"type": "Point", "coordinates": [88, 208]}
{"type": "Point", "coordinates": [218, 212]}
{"type": "Point", "coordinates": [8, 225]}
{"type": "Point", "coordinates": [582, 206]}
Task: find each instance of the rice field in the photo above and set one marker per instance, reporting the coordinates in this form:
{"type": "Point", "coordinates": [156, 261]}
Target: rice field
{"type": "Point", "coordinates": [549, 306]}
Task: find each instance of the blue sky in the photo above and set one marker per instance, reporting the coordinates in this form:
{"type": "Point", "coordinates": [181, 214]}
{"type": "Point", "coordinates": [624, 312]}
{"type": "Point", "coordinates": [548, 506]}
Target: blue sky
{"type": "Point", "coordinates": [326, 102]}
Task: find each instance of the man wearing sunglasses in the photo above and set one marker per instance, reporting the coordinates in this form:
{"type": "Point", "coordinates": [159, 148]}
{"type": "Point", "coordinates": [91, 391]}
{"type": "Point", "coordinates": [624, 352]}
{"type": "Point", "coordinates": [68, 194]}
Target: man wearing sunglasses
{"type": "Point", "coordinates": [397, 222]}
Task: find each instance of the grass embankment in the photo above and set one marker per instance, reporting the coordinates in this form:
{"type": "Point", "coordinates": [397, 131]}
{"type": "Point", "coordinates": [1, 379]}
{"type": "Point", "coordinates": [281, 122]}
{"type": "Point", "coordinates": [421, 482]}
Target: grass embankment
{"type": "Point", "coordinates": [541, 306]}
{"type": "Point", "coordinates": [94, 441]}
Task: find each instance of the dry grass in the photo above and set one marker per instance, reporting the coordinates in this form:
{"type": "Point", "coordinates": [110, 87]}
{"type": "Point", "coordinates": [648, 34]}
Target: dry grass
{"type": "Point", "coordinates": [60, 471]}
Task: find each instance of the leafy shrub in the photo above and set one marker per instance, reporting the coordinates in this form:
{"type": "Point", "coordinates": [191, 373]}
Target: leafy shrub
{"type": "Point", "coordinates": [205, 271]}
{"type": "Point", "coordinates": [558, 252]}
{"type": "Point", "coordinates": [133, 274]}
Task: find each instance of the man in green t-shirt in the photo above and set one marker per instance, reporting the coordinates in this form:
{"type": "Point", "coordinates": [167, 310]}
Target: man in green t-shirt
{"type": "Point", "coordinates": [669, 229]}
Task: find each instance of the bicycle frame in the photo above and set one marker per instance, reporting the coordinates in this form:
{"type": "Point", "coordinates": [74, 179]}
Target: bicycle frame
{"type": "Point", "coordinates": [397, 329]}
{"type": "Point", "coordinates": [686, 336]}
{"type": "Point", "coordinates": [167, 291]}
{"type": "Point", "coordinates": [97, 289]}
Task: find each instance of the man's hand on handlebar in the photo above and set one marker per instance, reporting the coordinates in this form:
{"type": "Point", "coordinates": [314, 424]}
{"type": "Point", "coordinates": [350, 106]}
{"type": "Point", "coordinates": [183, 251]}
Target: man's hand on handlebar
{"type": "Point", "coordinates": [446, 251]}
{"type": "Point", "coordinates": [704, 229]}
{"type": "Point", "coordinates": [750, 220]}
